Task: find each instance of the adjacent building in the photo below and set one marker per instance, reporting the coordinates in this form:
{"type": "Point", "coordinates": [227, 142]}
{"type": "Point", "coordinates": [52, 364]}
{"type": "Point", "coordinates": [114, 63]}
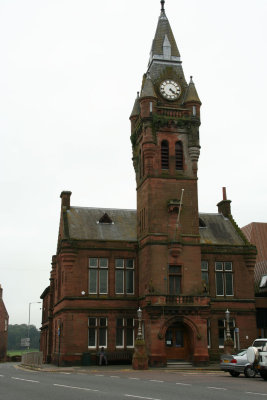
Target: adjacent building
{"type": "Point", "coordinates": [3, 327]}
{"type": "Point", "coordinates": [183, 268]}
{"type": "Point", "coordinates": [256, 233]}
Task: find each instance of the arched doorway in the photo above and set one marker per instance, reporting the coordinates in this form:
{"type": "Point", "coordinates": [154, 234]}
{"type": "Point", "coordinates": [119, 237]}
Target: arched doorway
{"type": "Point", "coordinates": [177, 342]}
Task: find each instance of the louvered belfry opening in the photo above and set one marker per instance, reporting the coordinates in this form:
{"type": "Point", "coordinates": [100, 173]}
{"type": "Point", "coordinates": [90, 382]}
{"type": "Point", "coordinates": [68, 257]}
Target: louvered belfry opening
{"type": "Point", "coordinates": [164, 154]}
{"type": "Point", "coordinates": [179, 162]}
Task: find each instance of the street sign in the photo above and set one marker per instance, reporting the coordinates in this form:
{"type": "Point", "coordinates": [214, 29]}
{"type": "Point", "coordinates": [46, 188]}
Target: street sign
{"type": "Point", "coordinates": [25, 342]}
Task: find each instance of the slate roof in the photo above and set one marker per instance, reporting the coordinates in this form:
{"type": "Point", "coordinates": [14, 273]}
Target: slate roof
{"type": "Point", "coordinates": [164, 28]}
{"type": "Point", "coordinates": [219, 231]}
{"type": "Point", "coordinates": [83, 223]}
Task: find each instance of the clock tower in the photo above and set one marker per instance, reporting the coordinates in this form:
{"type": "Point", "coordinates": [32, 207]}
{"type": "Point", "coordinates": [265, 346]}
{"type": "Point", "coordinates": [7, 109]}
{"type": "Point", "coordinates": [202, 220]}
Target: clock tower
{"type": "Point", "coordinates": [165, 124]}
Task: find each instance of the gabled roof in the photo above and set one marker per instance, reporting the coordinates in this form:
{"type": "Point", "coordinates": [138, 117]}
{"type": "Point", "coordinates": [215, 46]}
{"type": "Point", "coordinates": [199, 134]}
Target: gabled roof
{"type": "Point", "coordinates": [84, 224]}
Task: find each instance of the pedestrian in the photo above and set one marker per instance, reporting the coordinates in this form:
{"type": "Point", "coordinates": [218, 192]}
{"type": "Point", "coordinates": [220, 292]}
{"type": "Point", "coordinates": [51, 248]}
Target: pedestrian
{"type": "Point", "coordinates": [102, 356]}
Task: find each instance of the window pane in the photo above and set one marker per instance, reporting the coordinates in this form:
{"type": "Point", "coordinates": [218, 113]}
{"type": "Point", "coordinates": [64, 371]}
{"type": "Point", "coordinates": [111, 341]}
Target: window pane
{"type": "Point", "coordinates": [204, 265]}
{"type": "Point", "coordinates": [129, 281]}
{"type": "Point", "coordinates": [91, 338]}
{"type": "Point", "coordinates": [218, 266]}
{"type": "Point", "coordinates": [102, 337]}
{"type": "Point", "coordinates": [119, 281]}
{"type": "Point", "coordinates": [129, 263]}
{"type": "Point", "coordinates": [205, 278]}
{"type": "Point", "coordinates": [103, 262]}
{"type": "Point", "coordinates": [119, 263]}
{"type": "Point", "coordinates": [229, 284]}
{"type": "Point", "coordinates": [129, 322]}
{"type": "Point", "coordinates": [174, 284]}
{"type": "Point", "coordinates": [93, 262]}
{"type": "Point", "coordinates": [228, 266]}
{"type": "Point", "coordinates": [92, 321]}
{"type": "Point", "coordinates": [221, 332]}
{"type": "Point", "coordinates": [175, 269]}
{"type": "Point", "coordinates": [103, 281]}
{"type": "Point", "coordinates": [119, 336]}
{"type": "Point", "coordinates": [219, 284]}
{"type": "Point", "coordinates": [102, 321]}
{"type": "Point", "coordinates": [129, 337]}
{"type": "Point", "coordinates": [92, 281]}
{"type": "Point", "coordinates": [119, 322]}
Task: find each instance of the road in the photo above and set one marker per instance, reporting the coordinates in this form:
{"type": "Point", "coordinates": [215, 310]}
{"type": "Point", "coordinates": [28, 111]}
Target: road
{"type": "Point", "coordinates": [16, 383]}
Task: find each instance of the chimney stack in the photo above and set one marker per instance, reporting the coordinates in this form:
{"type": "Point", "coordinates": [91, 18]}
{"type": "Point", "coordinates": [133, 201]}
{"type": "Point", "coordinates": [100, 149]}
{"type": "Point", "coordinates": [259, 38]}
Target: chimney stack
{"type": "Point", "coordinates": [224, 206]}
{"type": "Point", "coordinates": [1, 292]}
{"type": "Point", "coordinates": [65, 199]}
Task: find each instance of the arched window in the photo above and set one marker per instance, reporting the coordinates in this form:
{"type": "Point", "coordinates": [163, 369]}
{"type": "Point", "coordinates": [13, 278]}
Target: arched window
{"type": "Point", "coordinates": [164, 154]}
{"type": "Point", "coordinates": [179, 156]}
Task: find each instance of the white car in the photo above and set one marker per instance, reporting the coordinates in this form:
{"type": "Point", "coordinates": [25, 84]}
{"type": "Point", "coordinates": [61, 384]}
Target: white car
{"type": "Point", "coordinates": [236, 364]}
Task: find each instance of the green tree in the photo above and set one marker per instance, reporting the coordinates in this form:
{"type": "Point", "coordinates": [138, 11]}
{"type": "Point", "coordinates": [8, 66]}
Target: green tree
{"type": "Point", "coordinates": [18, 332]}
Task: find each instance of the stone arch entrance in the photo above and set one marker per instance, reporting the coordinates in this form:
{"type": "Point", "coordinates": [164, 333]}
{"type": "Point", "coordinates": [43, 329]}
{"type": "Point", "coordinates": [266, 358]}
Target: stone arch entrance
{"type": "Point", "coordinates": [179, 340]}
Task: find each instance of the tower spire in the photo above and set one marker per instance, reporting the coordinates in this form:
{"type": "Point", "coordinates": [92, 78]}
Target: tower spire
{"type": "Point", "coordinates": [162, 5]}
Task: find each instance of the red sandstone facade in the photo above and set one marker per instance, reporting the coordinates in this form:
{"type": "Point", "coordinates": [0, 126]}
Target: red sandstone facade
{"type": "Point", "coordinates": [183, 268]}
{"type": "Point", "coordinates": [3, 327]}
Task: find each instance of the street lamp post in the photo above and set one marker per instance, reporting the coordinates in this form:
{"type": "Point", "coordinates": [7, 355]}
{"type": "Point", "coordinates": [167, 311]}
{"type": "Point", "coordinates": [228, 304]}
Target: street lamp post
{"type": "Point", "coordinates": [29, 321]}
{"type": "Point", "coordinates": [228, 343]}
{"type": "Point", "coordinates": [139, 332]}
{"type": "Point", "coordinates": [227, 317]}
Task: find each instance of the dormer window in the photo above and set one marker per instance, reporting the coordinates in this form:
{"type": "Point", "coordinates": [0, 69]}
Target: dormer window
{"type": "Point", "coordinates": [202, 223]}
{"type": "Point", "coordinates": [105, 219]}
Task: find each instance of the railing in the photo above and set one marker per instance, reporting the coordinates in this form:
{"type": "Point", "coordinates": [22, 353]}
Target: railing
{"type": "Point", "coordinates": [188, 300]}
{"type": "Point", "coordinates": [170, 112]}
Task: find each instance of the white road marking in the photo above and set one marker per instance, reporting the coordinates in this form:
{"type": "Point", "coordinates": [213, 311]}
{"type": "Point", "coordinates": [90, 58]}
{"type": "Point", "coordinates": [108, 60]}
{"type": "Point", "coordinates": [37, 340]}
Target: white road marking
{"type": "Point", "coordinates": [26, 380]}
{"type": "Point", "coordinates": [98, 375]}
{"type": "Point", "coordinates": [216, 388]}
{"type": "Point", "coordinates": [140, 397]}
{"type": "Point", "coordinates": [155, 380]}
{"type": "Point", "coordinates": [75, 387]}
{"type": "Point", "coordinates": [137, 379]}
{"type": "Point", "coordinates": [184, 384]}
{"type": "Point", "coordinates": [65, 373]}
{"type": "Point", "coordinates": [259, 394]}
{"type": "Point", "coordinates": [1, 376]}
{"type": "Point", "coordinates": [114, 376]}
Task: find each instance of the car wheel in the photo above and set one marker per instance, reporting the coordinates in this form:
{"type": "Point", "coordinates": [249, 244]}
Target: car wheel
{"type": "Point", "coordinates": [263, 374]}
{"type": "Point", "coordinates": [249, 372]}
{"type": "Point", "coordinates": [234, 373]}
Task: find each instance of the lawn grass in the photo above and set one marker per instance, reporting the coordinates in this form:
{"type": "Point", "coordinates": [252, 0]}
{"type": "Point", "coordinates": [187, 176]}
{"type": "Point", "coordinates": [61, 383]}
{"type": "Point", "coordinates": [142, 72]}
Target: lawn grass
{"type": "Point", "coordinates": [12, 353]}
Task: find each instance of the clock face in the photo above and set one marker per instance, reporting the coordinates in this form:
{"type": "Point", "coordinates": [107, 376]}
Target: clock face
{"type": "Point", "coordinates": [170, 89]}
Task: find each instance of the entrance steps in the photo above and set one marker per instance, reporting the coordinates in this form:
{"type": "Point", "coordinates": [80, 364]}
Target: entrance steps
{"type": "Point", "coordinates": [177, 364]}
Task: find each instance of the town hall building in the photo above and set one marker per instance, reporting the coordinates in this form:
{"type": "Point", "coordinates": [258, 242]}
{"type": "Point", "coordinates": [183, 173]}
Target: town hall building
{"type": "Point", "coordinates": [183, 268]}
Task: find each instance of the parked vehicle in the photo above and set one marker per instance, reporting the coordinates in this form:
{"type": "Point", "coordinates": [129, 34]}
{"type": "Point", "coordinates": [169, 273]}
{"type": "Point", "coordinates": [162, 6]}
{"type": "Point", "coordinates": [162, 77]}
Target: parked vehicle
{"type": "Point", "coordinates": [236, 364]}
{"type": "Point", "coordinates": [257, 356]}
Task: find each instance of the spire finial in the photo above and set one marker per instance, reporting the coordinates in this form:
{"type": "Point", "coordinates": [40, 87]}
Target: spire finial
{"type": "Point", "coordinates": [162, 6]}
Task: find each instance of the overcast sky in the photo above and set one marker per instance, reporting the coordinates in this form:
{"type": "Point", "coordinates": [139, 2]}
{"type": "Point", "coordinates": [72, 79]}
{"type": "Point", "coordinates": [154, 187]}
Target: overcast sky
{"type": "Point", "coordinates": [69, 73]}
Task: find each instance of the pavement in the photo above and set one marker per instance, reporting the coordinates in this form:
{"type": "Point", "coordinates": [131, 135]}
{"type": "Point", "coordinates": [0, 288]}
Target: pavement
{"type": "Point", "coordinates": [119, 368]}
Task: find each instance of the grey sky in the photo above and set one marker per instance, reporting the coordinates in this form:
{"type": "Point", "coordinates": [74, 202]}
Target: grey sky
{"type": "Point", "coordinates": [69, 73]}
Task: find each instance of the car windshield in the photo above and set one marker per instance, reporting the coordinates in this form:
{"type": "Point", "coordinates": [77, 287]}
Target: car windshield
{"type": "Point", "coordinates": [259, 343]}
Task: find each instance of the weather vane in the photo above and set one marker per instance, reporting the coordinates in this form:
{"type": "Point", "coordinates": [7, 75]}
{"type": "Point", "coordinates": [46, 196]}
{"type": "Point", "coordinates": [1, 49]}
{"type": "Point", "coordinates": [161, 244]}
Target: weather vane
{"type": "Point", "coordinates": [162, 5]}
